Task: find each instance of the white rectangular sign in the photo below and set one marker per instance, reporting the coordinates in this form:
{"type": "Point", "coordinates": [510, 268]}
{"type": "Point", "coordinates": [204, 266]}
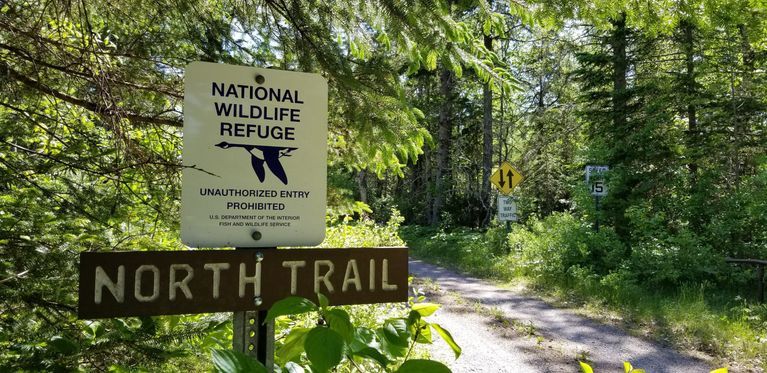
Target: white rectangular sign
{"type": "Point", "coordinates": [255, 157]}
{"type": "Point", "coordinates": [507, 208]}
{"type": "Point", "coordinates": [595, 180]}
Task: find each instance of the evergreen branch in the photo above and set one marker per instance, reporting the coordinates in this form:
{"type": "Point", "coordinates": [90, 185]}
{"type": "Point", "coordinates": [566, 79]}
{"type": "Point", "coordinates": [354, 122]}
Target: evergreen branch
{"type": "Point", "coordinates": [88, 105]}
{"type": "Point", "coordinates": [28, 57]}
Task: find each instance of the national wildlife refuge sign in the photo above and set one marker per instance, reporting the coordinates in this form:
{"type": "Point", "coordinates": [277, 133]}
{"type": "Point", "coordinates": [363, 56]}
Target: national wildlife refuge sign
{"type": "Point", "coordinates": [255, 150]}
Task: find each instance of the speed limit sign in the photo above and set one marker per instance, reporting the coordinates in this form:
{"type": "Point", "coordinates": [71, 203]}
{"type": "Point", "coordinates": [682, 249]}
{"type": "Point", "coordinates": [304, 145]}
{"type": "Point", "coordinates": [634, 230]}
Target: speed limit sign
{"type": "Point", "coordinates": [595, 180]}
{"type": "Point", "coordinates": [598, 188]}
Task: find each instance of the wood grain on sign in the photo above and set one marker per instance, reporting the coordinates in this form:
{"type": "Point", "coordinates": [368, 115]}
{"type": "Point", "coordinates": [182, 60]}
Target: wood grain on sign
{"type": "Point", "coordinates": [143, 283]}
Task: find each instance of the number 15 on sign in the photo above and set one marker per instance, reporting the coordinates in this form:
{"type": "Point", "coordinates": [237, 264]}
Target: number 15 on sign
{"type": "Point", "coordinates": [595, 176]}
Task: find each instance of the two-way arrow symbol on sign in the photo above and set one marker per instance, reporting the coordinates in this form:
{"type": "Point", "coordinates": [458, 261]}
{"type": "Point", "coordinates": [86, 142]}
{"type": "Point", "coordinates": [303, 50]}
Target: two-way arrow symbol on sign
{"type": "Point", "coordinates": [505, 178]}
{"type": "Point", "coordinates": [509, 175]}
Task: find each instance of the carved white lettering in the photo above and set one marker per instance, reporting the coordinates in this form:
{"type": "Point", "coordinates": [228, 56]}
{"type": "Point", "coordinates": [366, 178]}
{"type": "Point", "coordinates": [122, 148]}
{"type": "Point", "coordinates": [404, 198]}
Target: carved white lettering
{"type": "Point", "coordinates": [372, 283]}
{"type": "Point", "coordinates": [216, 268]}
{"type": "Point", "coordinates": [155, 283]}
{"type": "Point", "coordinates": [117, 289]}
{"type": "Point", "coordinates": [183, 284]}
{"type": "Point", "coordinates": [294, 265]}
{"type": "Point", "coordinates": [351, 266]}
{"type": "Point", "coordinates": [385, 286]}
{"type": "Point", "coordinates": [324, 278]}
{"type": "Point", "coordinates": [255, 280]}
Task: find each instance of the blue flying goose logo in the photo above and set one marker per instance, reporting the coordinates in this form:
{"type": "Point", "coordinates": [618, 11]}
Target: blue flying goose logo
{"type": "Point", "coordinates": [260, 154]}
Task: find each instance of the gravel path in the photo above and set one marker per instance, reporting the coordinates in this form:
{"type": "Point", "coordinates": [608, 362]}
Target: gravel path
{"type": "Point", "coordinates": [535, 337]}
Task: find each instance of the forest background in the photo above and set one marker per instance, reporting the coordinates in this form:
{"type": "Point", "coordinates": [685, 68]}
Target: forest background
{"type": "Point", "coordinates": [425, 99]}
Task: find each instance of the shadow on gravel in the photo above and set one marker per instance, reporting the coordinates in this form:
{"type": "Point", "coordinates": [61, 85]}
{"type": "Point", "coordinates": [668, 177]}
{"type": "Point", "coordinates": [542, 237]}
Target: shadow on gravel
{"type": "Point", "coordinates": [529, 349]}
{"type": "Point", "coordinates": [604, 346]}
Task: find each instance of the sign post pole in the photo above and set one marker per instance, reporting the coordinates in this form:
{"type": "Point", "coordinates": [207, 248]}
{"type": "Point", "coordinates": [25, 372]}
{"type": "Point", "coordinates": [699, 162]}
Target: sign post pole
{"type": "Point", "coordinates": [596, 224]}
{"type": "Point", "coordinates": [253, 337]}
{"type": "Point", "coordinates": [250, 334]}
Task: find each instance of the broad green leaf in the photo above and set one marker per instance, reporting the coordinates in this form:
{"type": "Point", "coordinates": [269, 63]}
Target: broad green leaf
{"type": "Point", "coordinates": [448, 339]}
{"type": "Point", "coordinates": [585, 368]}
{"type": "Point", "coordinates": [229, 361]}
{"type": "Point", "coordinates": [324, 301]}
{"type": "Point", "coordinates": [372, 353]}
{"type": "Point", "coordinates": [426, 309]}
{"type": "Point", "coordinates": [293, 346]}
{"type": "Point", "coordinates": [424, 333]}
{"type": "Point", "coordinates": [63, 345]}
{"type": "Point", "coordinates": [423, 366]}
{"type": "Point", "coordinates": [392, 349]}
{"type": "Point", "coordinates": [412, 319]}
{"type": "Point", "coordinates": [339, 321]}
{"type": "Point", "coordinates": [324, 348]}
{"type": "Point", "coordinates": [121, 326]}
{"type": "Point", "coordinates": [363, 338]}
{"type": "Point", "coordinates": [395, 331]}
{"type": "Point", "coordinates": [290, 306]}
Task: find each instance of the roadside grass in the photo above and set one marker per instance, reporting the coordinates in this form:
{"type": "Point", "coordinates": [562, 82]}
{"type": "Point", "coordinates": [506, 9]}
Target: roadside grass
{"type": "Point", "coordinates": [718, 322]}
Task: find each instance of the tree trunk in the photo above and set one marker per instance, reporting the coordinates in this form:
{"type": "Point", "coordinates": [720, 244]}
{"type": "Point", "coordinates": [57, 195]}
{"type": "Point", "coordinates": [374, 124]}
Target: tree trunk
{"type": "Point", "coordinates": [618, 42]}
{"type": "Point", "coordinates": [487, 141]}
{"type": "Point", "coordinates": [688, 43]}
{"type": "Point", "coordinates": [743, 98]}
{"type": "Point", "coordinates": [621, 150]}
{"type": "Point", "coordinates": [362, 185]}
{"type": "Point", "coordinates": [447, 82]}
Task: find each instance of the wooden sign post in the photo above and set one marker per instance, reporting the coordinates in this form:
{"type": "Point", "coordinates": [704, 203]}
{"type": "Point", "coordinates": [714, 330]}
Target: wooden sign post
{"type": "Point", "coordinates": [255, 148]}
{"type": "Point", "coordinates": [247, 281]}
{"type": "Point", "coordinates": [256, 143]}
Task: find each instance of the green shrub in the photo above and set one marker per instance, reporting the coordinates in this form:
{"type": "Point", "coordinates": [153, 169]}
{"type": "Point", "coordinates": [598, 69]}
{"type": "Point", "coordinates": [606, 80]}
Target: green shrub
{"type": "Point", "coordinates": [548, 248]}
{"type": "Point", "coordinates": [667, 255]}
{"type": "Point", "coordinates": [738, 227]}
{"type": "Point", "coordinates": [364, 233]}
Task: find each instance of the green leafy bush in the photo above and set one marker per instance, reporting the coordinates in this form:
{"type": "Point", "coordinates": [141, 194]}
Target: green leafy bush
{"type": "Point", "coordinates": [549, 248]}
{"type": "Point", "coordinates": [738, 224]}
{"type": "Point", "coordinates": [470, 250]}
{"type": "Point", "coordinates": [364, 233]}
{"type": "Point", "coordinates": [334, 341]}
{"type": "Point", "coordinates": [662, 256]}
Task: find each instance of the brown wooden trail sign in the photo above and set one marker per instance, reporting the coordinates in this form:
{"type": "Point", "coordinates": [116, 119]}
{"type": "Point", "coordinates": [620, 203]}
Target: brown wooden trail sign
{"type": "Point", "coordinates": [143, 283]}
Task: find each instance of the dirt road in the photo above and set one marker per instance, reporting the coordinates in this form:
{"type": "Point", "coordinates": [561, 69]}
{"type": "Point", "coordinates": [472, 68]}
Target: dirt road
{"type": "Point", "coordinates": [503, 331]}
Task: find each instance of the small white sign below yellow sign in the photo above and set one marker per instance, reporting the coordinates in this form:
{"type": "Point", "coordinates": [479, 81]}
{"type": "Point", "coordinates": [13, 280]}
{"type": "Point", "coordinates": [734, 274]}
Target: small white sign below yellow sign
{"type": "Point", "coordinates": [507, 209]}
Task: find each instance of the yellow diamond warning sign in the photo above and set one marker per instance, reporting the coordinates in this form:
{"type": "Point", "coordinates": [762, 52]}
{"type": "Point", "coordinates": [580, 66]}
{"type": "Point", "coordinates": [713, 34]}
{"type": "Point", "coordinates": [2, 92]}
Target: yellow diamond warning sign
{"type": "Point", "coordinates": [506, 178]}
